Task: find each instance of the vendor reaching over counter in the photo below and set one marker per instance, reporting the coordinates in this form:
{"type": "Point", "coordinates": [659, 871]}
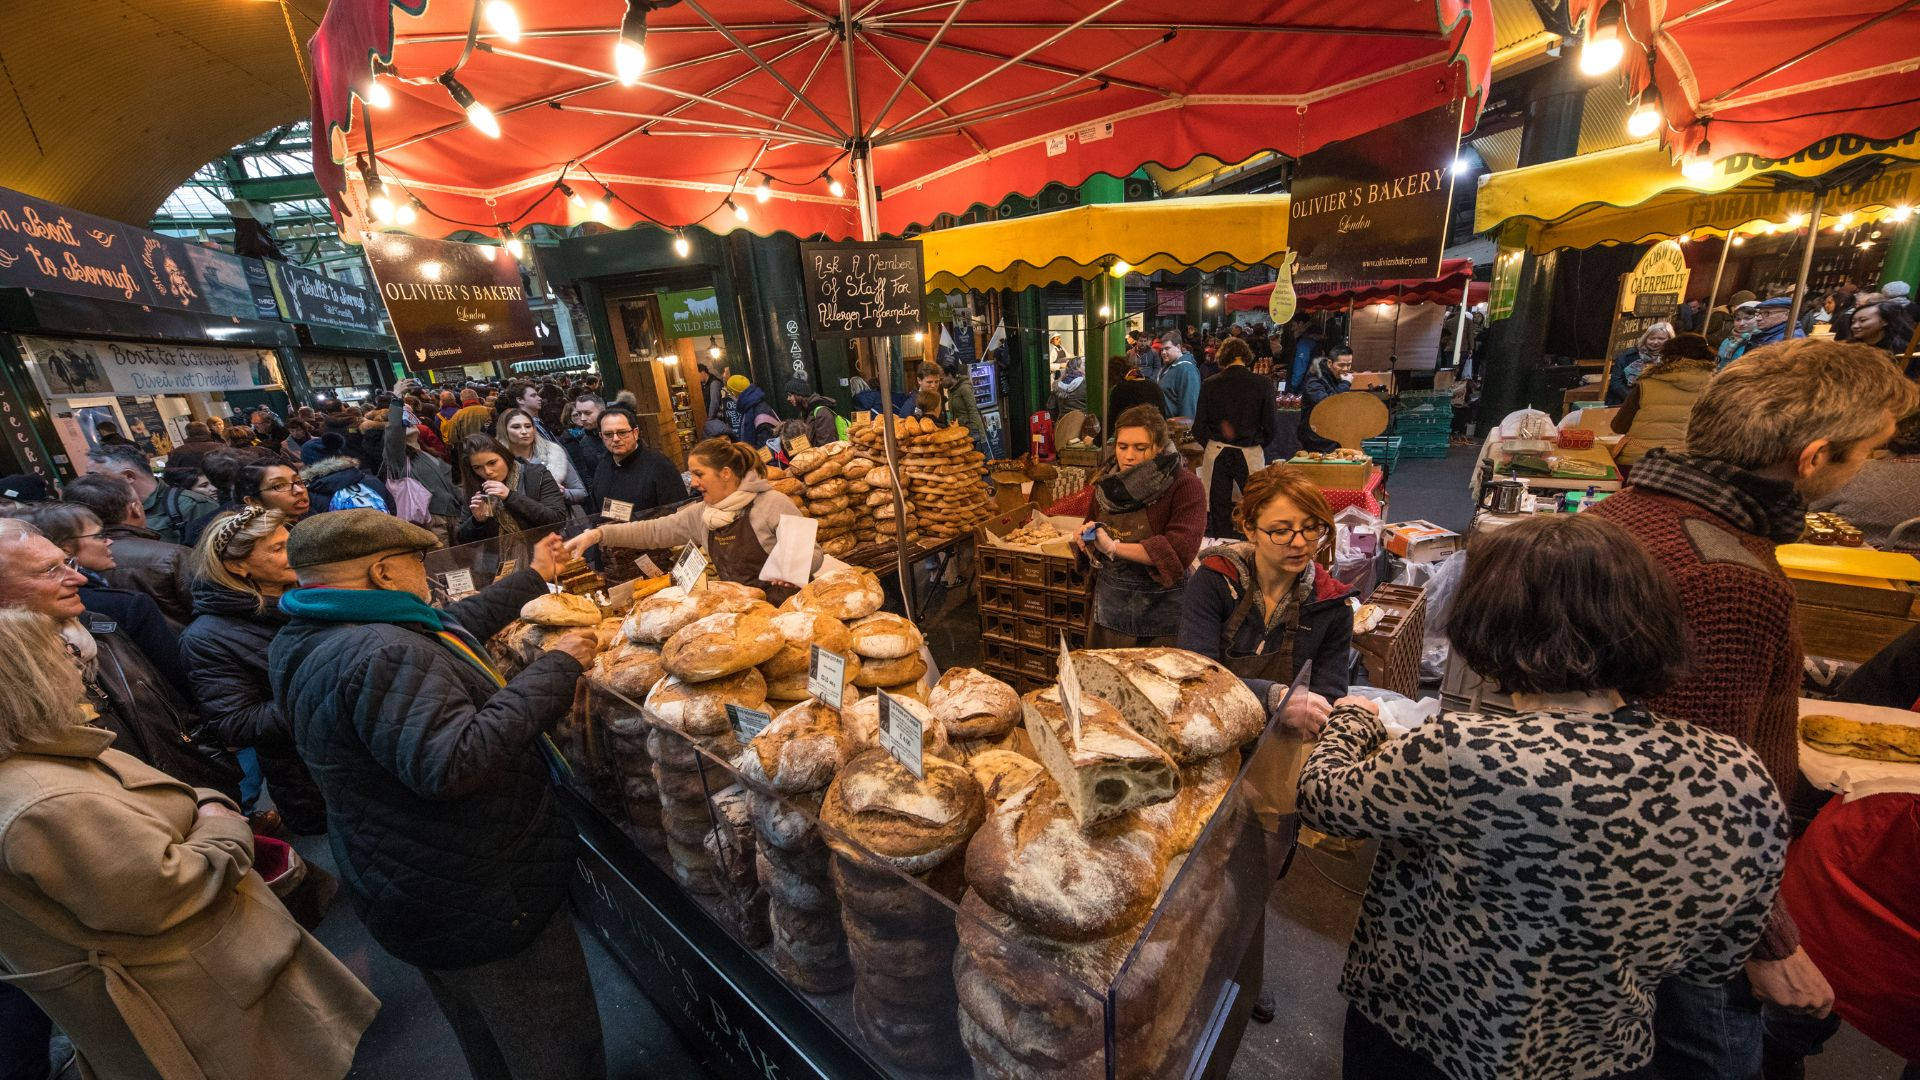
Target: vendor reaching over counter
{"type": "Point", "coordinates": [735, 520]}
{"type": "Point", "coordinates": [1148, 513]}
{"type": "Point", "coordinates": [1263, 607]}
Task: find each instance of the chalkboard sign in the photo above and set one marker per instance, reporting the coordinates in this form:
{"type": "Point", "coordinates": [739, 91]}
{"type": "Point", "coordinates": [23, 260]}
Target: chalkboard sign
{"type": "Point", "coordinates": [863, 289]}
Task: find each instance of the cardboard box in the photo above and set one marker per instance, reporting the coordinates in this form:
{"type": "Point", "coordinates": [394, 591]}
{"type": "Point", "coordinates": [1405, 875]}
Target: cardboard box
{"type": "Point", "coordinates": [1341, 475]}
{"type": "Point", "coordinates": [1421, 541]}
{"type": "Point", "coordinates": [991, 530]}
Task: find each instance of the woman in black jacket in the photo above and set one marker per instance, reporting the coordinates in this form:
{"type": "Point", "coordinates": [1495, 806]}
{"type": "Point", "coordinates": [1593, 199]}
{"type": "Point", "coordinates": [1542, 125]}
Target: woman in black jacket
{"type": "Point", "coordinates": [504, 495]}
{"type": "Point", "coordinates": [240, 570]}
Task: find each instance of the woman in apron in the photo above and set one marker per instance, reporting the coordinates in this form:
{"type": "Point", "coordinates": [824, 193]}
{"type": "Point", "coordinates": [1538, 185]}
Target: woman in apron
{"type": "Point", "coordinates": [1146, 512]}
{"type": "Point", "coordinates": [1265, 609]}
{"type": "Point", "coordinates": [734, 522]}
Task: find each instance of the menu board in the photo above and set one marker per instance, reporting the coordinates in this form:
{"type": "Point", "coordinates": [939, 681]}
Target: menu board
{"type": "Point", "coordinates": [863, 289]}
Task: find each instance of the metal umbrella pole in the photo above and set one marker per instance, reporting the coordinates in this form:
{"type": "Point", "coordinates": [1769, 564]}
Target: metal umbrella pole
{"type": "Point", "coordinates": [1719, 271]}
{"type": "Point", "coordinates": [1806, 262]}
{"type": "Point", "coordinates": [870, 230]}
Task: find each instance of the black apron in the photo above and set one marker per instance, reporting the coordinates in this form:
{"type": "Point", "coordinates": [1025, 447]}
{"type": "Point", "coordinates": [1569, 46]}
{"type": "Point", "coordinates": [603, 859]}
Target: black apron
{"type": "Point", "coordinates": [738, 555]}
{"type": "Point", "coordinates": [1126, 598]}
{"type": "Point", "coordinates": [1274, 665]}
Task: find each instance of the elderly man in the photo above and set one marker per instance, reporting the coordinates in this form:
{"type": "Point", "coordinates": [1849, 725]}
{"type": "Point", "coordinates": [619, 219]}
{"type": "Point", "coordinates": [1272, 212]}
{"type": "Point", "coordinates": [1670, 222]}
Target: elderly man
{"type": "Point", "coordinates": [1770, 327]}
{"type": "Point", "coordinates": [169, 509]}
{"type": "Point", "coordinates": [441, 821]}
{"type": "Point", "coordinates": [1778, 427]}
{"type": "Point", "coordinates": [150, 718]}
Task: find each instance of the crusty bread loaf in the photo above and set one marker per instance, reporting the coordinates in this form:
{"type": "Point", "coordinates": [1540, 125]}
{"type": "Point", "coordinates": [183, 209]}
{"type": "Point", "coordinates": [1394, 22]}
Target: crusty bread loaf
{"type": "Point", "coordinates": [722, 644]}
{"type": "Point", "coordinates": [1865, 739]}
{"type": "Point", "coordinates": [1112, 769]}
{"type": "Point", "coordinates": [1192, 706]}
{"type": "Point", "coordinates": [810, 949]}
{"type": "Point", "coordinates": [794, 684]}
{"type": "Point", "coordinates": [730, 847]}
{"type": "Point", "coordinates": [973, 704]}
{"type": "Point", "coordinates": [798, 751]}
{"type": "Point", "coordinates": [911, 822]}
{"type": "Point", "coordinates": [560, 609]}
{"type": "Point", "coordinates": [658, 617]}
{"type": "Point", "coordinates": [885, 636]}
{"type": "Point", "coordinates": [627, 670]}
{"type": "Point", "coordinates": [862, 723]}
{"type": "Point", "coordinates": [1180, 820]}
{"type": "Point", "coordinates": [806, 461]}
{"type": "Point", "coordinates": [839, 545]}
{"type": "Point", "coordinates": [700, 709]}
{"type": "Point", "coordinates": [1033, 860]}
{"type": "Point", "coordinates": [906, 669]}
{"type": "Point", "coordinates": [799, 632]}
{"type": "Point", "coordinates": [1001, 773]}
{"type": "Point", "coordinates": [846, 594]}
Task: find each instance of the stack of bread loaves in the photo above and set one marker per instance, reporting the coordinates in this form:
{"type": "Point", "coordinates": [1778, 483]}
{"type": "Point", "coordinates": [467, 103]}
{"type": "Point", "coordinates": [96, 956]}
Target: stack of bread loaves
{"type": "Point", "coordinates": [1067, 868]}
{"type": "Point", "coordinates": [619, 681]}
{"type": "Point", "coordinates": [711, 662]}
{"type": "Point", "coordinates": [889, 650]}
{"type": "Point", "coordinates": [882, 819]}
{"type": "Point", "coordinates": [941, 470]}
{"type": "Point", "coordinates": [787, 768]}
{"type": "Point", "coordinates": [829, 484]}
{"type": "Point", "coordinates": [730, 847]}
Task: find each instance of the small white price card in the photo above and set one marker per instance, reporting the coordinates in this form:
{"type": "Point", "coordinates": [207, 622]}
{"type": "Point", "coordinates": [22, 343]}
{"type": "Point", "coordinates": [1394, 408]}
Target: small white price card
{"type": "Point", "coordinates": [459, 584]}
{"type": "Point", "coordinates": [900, 733]}
{"type": "Point", "coordinates": [649, 568]}
{"type": "Point", "coordinates": [616, 510]}
{"type": "Point", "coordinates": [747, 722]}
{"type": "Point", "coordinates": [687, 571]}
{"type": "Point", "coordinates": [827, 677]}
{"type": "Point", "coordinates": [1070, 689]}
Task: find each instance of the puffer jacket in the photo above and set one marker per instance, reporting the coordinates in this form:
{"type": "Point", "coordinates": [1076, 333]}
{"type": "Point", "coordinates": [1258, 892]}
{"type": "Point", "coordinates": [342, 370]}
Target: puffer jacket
{"type": "Point", "coordinates": [226, 649]}
{"type": "Point", "coordinates": [1667, 393]}
{"type": "Point", "coordinates": [441, 810]}
{"type": "Point", "coordinates": [329, 476]}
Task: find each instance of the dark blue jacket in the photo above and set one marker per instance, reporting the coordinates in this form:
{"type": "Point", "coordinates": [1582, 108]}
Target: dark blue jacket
{"type": "Point", "coordinates": [1326, 640]}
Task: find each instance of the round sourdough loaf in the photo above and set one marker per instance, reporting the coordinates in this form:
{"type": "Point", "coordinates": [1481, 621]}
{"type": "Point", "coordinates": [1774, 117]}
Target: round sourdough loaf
{"type": "Point", "coordinates": [973, 704]}
{"type": "Point", "coordinates": [847, 594]}
{"type": "Point", "coordinates": [862, 723]}
{"type": "Point", "coordinates": [912, 822]}
{"type": "Point", "coordinates": [799, 632]}
{"type": "Point", "coordinates": [1000, 773]}
{"type": "Point", "coordinates": [658, 617]}
{"type": "Point", "coordinates": [699, 709]}
{"type": "Point", "coordinates": [885, 636]}
{"type": "Point", "coordinates": [561, 609]}
{"type": "Point", "coordinates": [889, 673]}
{"type": "Point", "coordinates": [628, 670]}
{"type": "Point", "coordinates": [722, 644]}
{"type": "Point", "coordinates": [798, 751]}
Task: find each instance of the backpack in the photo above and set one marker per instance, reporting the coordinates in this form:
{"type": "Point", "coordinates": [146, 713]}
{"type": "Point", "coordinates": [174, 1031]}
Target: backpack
{"type": "Point", "coordinates": [357, 496]}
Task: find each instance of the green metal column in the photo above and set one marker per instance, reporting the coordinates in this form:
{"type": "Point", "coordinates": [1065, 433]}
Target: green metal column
{"type": "Point", "coordinates": [1027, 382]}
{"type": "Point", "coordinates": [1106, 302]}
{"type": "Point", "coordinates": [1903, 253]}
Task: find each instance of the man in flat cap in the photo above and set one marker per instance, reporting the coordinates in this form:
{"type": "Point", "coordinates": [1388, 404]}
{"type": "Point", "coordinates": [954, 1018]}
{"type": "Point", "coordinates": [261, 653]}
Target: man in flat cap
{"type": "Point", "coordinates": [438, 802]}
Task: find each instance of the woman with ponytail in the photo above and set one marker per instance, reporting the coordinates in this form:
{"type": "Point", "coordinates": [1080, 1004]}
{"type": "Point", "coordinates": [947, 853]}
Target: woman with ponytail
{"type": "Point", "coordinates": [735, 520]}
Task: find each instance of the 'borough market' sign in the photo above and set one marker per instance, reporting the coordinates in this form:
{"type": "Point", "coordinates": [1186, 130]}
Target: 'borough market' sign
{"type": "Point", "coordinates": [452, 304]}
{"type": "Point", "coordinates": [863, 289]}
{"type": "Point", "coordinates": [1374, 207]}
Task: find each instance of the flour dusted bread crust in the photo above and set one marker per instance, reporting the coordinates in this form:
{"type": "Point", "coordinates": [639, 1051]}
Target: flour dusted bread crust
{"type": "Point", "coordinates": [1203, 784]}
{"type": "Point", "coordinates": [561, 609]}
{"type": "Point", "coordinates": [1193, 707]}
{"type": "Point", "coordinates": [658, 617]}
{"type": "Point", "coordinates": [1112, 769]}
{"type": "Point", "coordinates": [911, 822]}
{"type": "Point", "coordinates": [890, 673]}
{"type": "Point", "coordinates": [972, 704]}
{"type": "Point", "coordinates": [1033, 860]}
{"type": "Point", "coordinates": [722, 644]}
{"type": "Point", "coordinates": [793, 685]}
{"type": "Point", "coordinates": [847, 594]}
{"type": "Point", "coordinates": [628, 670]}
{"type": "Point", "coordinates": [885, 636]}
{"type": "Point", "coordinates": [700, 708]}
{"type": "Point", "coordinates": [1001, 773]}
{"type": "Point", "coordinates": [799, 751]}
{"type": "Point", "coordinates": [862, 723]}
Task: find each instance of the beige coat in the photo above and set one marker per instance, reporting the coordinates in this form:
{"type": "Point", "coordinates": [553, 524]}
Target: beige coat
{"type": "Point", "coordinates": [140, 927]}
{"type": "Point", "coordinates": [1666, 400]}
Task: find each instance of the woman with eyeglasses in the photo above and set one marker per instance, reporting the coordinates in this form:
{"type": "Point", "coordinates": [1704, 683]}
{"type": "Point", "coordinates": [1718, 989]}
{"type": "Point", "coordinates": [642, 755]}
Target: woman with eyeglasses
{"type": "Point", "coordinates": [1147, 512]}
{"type": "Point", "coordinates": [253, 477]}
{"type": "Point", "coordinates": [1264, 608]}
{"type": "Point", "coordinates": [240, 570]}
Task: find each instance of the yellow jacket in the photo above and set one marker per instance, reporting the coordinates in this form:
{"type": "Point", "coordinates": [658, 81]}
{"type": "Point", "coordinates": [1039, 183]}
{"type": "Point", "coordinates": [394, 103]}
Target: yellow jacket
{"type": "Point", "coordinates": [1667, 394]}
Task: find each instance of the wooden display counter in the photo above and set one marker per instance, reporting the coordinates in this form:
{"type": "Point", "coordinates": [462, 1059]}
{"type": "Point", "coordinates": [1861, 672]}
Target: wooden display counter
{"type": "Point", "coordinates": [1852, 602]}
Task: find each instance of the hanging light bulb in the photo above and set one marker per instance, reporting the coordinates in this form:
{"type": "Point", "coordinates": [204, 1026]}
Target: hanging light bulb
{"type": "Point", "coordinates": [382, 206]}
{"type": "Point", "coordinates": [514, 245]}
{"type": "Point", "coordinates": [406, 213]}
{"type": "Point", "coordinates": [713, 349]}
{"type": "Point", "coordinates": [630, 52]}
{"type": "Point", "coordinates": [1213, 300]}
{"type": "Point", "coordinates": [1120, 268]}
{"type": "Point", "coordinates": [572, 195]}
{"type": "Point", "coordinates": [1644, 121]}
{"type": "Point", "coordinates": [1697, 169]}
{"type": "Point", "coordinates": [1845, 221]}
{"type": "Point", "coordinates": [919, 336]}
{"type": "Point", "coordinates": [1105, 312]}
{"type": "Point", "coordinates": [680, 245]}
{"type": "Point", "coordinates": [1794, 221]}
{"type": "Point", "coordinates": [1900, 213]}
{"type": "Point", "coordinates": [601, 210]}
{"type": "Point", "coordinates": [1461, 166]}
{"type": "Point", "coordinates": [1865, 244]}
{"type": "Point", "coordinates": [739, 212]}
{"type": "Point", "coordinates": [1683, 238]}
{"type": "Point", "coordinates": [1602, 51]}
{"type": "Point", "coordinates": [478, 115]}
{"type": "Point", "coordinates": [377, 94]}
{"type": "Point", "coordinates": [835, 188]}
{"type": "Point", "coordinates": [764, 190]}
{"type": "Point", "coordinates": [1738, 240]}
{"type": "Point", "coordinates": [503, 20]}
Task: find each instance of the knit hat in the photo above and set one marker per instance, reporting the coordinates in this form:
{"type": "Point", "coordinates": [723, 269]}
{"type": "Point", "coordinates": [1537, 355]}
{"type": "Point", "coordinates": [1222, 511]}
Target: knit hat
{"type": "Point", "coordinates": [1777, 302]}
{"type": "Point", "coordinates": [799, 388]}
{"type": "Point", "coordinates": [1744, 296]}
{"type": "Point", "coordinates": [331, 444]}
{"type": "Point", "coordinates": [23, 487]}
{"type": "Point", "coordinates": [345, 535]}
{"type": "Point", "coordinates": [738, 384]}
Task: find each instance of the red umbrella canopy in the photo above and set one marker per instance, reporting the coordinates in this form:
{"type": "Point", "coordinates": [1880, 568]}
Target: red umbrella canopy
{"type": "Point", "coordinates": [771, 104]}
{"type": "Point", "coordinates": [1455, 279]}
{"type": "Point", "coordinates": [1767, 77]}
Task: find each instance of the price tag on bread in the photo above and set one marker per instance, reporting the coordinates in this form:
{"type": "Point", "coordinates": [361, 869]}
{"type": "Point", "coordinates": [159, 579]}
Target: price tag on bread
{"type": "Point", "coordinates": [649, 568]}
{"type": "Point", "coordinates": [687, 570]}
{"type": "Point", "coordinates": [826, 677]}
{"type": "Point", "coordinates": [746, 722]}
{"type": "Point", "coordinates": [459, 584]}
{"type": "Point", "coordinates": [616, 510]}
{"type": "Point", "coordinates": [1070, 690]}
{"type": "Point", "coordinates": [900, 734]}
{"type": "Point", "coordinates": [797, 444]}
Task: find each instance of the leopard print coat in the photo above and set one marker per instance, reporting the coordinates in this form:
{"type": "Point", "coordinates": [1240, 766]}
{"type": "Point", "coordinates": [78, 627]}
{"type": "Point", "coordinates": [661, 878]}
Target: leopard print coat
{"type": "Point", "coordinates": [1540, 875]}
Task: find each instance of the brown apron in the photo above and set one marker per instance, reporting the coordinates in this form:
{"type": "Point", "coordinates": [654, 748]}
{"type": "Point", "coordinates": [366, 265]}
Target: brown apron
{"type": "Point", "coordinates": [1126, 598]}
{"type": "Point", "coordinates": [738, 555]}
{"type": "Point", "coordinates": [1273, 780]}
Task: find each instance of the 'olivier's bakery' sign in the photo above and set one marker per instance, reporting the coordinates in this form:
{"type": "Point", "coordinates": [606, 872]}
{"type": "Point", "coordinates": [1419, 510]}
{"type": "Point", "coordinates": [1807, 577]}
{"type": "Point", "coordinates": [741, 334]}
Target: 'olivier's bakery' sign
{"type": "Point", "coordinates": [1374, 207]}
{"type": "Point", "coordinates": [452, 304]}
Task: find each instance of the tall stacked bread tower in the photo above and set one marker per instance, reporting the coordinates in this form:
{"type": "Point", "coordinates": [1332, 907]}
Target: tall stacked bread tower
{"type": "Point", "coordinates": [829, 483]}
{"type": "Point", "coordinates": [946, 491]}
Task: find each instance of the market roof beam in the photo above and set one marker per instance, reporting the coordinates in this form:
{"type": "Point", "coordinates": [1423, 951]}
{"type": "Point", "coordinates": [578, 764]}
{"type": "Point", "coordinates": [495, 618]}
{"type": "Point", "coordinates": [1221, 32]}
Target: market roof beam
{"type": "Point", "coordinates": [277, 188]}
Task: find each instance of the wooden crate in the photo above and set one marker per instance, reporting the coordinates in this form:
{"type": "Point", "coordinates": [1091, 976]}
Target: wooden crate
{"type": "Point", "coordinates": [1392, 649]}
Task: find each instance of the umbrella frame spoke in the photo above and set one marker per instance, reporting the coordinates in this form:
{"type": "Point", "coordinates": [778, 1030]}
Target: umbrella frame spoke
{"type": "Point", "coordinates": [906, 77]}
{"type": "Point", "coordinates": [978, 146]}
{"type": "Point", "coordinates": [747, 51]}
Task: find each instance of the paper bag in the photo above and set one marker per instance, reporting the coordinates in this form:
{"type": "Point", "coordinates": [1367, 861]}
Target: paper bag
{"type": "Point", "coordinates": [791, 559]}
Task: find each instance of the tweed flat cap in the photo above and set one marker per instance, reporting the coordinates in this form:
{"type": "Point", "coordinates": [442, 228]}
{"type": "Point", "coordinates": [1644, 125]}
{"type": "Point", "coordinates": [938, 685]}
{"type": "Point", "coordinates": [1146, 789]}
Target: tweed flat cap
{"type": "Point", "coordinates": [345, 535]}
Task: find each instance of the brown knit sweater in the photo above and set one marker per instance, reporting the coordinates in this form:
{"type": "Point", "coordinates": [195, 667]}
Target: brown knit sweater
{"type": "Point", "coordinates": [1744, 675]}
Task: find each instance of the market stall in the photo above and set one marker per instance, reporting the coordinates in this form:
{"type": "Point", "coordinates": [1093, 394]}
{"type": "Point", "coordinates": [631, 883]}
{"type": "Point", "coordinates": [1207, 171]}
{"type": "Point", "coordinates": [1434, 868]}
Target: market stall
{"type": "Point", "coordinates": [1392, 325]}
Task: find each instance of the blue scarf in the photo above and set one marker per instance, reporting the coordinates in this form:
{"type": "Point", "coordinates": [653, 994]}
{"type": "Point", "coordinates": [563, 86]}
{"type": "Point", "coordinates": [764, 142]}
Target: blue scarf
{"type": "Point", "coordinates": [360, 606]}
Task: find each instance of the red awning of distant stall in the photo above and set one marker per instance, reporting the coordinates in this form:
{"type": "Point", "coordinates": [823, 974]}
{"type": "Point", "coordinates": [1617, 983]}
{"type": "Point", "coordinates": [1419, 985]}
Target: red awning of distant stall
{"type": "Point", "coordinates": [1456, 277]}
{"type": "Point", "coordinates": [768, 103]}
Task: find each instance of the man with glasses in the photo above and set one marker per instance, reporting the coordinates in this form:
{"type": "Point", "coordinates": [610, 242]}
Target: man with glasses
{"type": "Point", "coordinates": [439, 806]}
{"type": "Point", "coordinates": [150, 718]}
{"type": "Point", "coordinates": [632, 478]}
{"type": "Point", "coordinates": [169, 509]}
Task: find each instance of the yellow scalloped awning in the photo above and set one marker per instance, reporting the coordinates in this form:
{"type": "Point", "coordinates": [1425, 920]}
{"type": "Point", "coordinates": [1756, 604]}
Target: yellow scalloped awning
{"type": "Point", "coordinates": [1207, 232]}
{"type": "Point", "coordinates": [1636, 193]}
